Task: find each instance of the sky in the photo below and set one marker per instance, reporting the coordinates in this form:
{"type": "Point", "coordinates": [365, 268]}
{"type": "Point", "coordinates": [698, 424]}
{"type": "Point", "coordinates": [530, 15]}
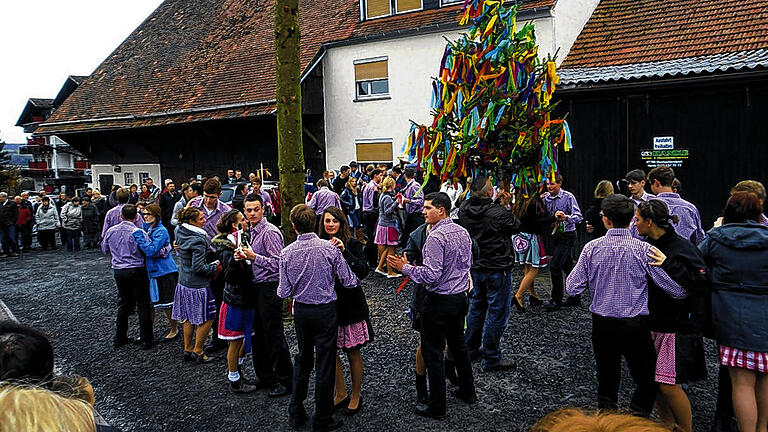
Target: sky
{"type": "Point", "coordinates": [45, 41]}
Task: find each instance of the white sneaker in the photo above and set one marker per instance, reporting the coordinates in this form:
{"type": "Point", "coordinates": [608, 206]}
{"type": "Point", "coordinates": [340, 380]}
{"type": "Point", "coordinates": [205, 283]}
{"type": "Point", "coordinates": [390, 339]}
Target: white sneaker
{"type": "Point", "coordinates": [381, 272]}
{"type": "Point", "coordinates": [397, 275]}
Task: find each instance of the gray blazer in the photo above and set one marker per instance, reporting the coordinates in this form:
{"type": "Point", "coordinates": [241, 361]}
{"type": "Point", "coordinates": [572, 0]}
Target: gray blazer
{"type": "Point", "coordinates": [194, 272]}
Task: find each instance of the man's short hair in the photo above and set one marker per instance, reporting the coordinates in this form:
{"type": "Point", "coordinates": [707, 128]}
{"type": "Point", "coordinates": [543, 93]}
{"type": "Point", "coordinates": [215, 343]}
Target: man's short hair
{"type": "Point", "coordinates": [128, 212]}
{"type": "Point", "coordinates": [148, 179]}
{"type": "Point", "coordinates": [397, 169]}
{"type": "Point", "coordinates": [752, 186]}
{"type": "Point", "coordinates": [122, 195]}
{"type": "Point", "coordinates": [440, 200]}
{"type": "Point", "coordinates": [410, 173]}
{"type": "Point", "coordinates": [376, 172]}
{"type": "Point", "coordinates": [664, 174]}
{"type": "Point", "coordinates": [254, 197]}
{"type": "Point", "coordinates": [480, 186]}
{"type": "Point", "coordinates": [45, 198]}
{"type": "Point", "coordinates": [26, 354]}
{"type": "Point", "coordinates": [197, 188]}
{"type": "Point", "coordinates": [212, 186]}
{"type": "Point", "coordinates": [636, 175]}
{"type": "Point", "coordinates": [303, 218]}
{"type": "Point", "coordinates": [343, 168]}
{"type": "Point", "coordinates": [619, 209]}
{"type": "Point", "coordinates": [322, 183]}
{"type": "Point", "coordinates": [353, 164]}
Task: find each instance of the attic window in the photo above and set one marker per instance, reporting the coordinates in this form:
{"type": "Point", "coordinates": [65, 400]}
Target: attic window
{"type": "Point", "coordinates": [382, 8]}
{"type": "Point", "coordinates": [371, 78]}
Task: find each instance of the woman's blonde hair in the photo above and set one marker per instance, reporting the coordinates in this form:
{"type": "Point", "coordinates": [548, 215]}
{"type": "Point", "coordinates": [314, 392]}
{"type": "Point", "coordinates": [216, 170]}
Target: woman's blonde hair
{"type": "Point", "coordinates": [603, 189]}
{"type": "Point", "coordinates": [37, 409]}
{"type": "Point", "coordinates": [577, 420]}
{"type": "Point", "coordinates": [388, 184]}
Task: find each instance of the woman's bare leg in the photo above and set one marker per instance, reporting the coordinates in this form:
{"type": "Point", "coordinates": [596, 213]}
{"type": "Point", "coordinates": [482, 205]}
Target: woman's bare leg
{"type": "Point", "coordinates": [744, 397]}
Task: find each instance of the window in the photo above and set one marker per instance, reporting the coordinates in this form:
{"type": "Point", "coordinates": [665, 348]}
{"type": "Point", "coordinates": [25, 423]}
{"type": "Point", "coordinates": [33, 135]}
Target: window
{"type": "Point", "coordinates": [368, 151]}
{"type": "Point", "coordinates": [450, 2]}
{"type": "Point", "coordinates": [128, 178]}
{"type": "Point", "coordinates": [143, 176]}
{"type": "Point", "coordinates": [371, 78]}
{"type": "Point", "coordinates": [381, 8]}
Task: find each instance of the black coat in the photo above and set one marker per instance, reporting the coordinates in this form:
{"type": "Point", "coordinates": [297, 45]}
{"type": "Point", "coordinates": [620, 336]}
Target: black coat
{"type": "Point", "coordinates": [90, 219]}
{"type": "Point", "coordinates": [236, 277]}
{"type": "Point", "coordinates": [592, 216]}
{"type": "Point", "coordinates": [166, 202]}
{"type": "Point", "coordinates": [413, 251]}
{"type": "Point", "coordinates": [9, 212]}
{"type": "Point", "coordinates": [491, 226]}
{"type": "Point", "coordinates": [350, 302]}
{"type": "Point", "coordinates": [685, 265]}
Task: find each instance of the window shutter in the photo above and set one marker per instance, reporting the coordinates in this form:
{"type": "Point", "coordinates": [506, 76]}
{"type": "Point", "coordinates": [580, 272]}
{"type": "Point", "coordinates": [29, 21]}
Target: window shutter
{"type": "Point", "coordinates": [407, 5]}
{"type": "Point", "coordinates": [376, 8]}
{"type": "Point", "coordinates": [374, 152]}
{"type": "Point", "coordinates": [371, 71]}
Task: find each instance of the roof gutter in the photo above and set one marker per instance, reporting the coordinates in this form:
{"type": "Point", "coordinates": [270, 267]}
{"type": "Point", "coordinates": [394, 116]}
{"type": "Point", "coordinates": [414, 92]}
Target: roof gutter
{"type": "Point", "coordinates": [319, 56]}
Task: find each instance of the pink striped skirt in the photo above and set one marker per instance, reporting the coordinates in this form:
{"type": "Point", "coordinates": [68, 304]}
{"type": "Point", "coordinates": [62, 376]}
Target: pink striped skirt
{"type": "Point", "coordinates": [751, 360]}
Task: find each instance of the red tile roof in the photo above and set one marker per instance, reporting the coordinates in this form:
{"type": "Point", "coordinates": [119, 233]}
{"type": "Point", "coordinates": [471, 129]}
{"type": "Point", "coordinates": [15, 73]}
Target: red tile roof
{"type": "Point", "coordinates": [192, 54]}
{"type": "Point", "coordinates": [624, 32]}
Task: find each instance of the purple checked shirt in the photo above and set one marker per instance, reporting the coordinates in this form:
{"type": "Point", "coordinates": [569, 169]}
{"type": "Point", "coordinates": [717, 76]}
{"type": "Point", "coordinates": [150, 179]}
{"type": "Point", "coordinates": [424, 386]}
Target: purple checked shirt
{"type": "Point", "coordinates": [211, 216]}
{"type": "Point", "coordinates": [308, 268]}
{"type": "Point", "coordinates": [114, 217]}
{"type": "Point", "coordinates": [644, 198]}
{"type": "Point", "coordinates": [324, 198]}
{"type": "Point", "coordinates": [266, 242]}
{"type": "Point", "coordinates": [763, 220]}
{"type": "Point", "coordinates": [615, 269]}
{"type": "Point", "coordinates": [416, 197]}
{"type": "Point", "coordinates": [447, 258]}
{"type": "Point", "coordinates": [565, 202]}
{"type": "Point", "coordinates": [368, 193]}
{"type": "Point", "coordinates": [689, 225]}
{"type": "Point", "coordinates": [119, 242]}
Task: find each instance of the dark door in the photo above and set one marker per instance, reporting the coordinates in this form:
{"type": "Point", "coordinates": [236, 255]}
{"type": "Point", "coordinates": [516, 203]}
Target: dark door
{"type": "Point", "coordinates": [105, 183]}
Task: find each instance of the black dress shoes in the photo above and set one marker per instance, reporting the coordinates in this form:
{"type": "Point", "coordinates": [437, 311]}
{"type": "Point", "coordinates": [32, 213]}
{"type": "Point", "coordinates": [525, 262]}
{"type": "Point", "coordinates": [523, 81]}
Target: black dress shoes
{"type": "Point", "coordinates": [572, 301]}
{"type": "Point", "coordinates": [466, 397]}
{"type": "Point", "coordinates": [279, 391]}
{"type": "Point", "coordinates": [343, 404]}
{"type": "Point", "coordinates": [349, 412]}
{"type": "Point", "coordinates": [553, 306]}
{"type": "Point", "coordinates": [423, 410]}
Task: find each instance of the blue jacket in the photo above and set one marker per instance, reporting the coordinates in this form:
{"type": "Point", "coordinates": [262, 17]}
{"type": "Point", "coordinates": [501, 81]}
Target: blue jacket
{"type": "Point", "coordinates": [737, 257]}
{"type": "Point", "coordinates": [158, 250]}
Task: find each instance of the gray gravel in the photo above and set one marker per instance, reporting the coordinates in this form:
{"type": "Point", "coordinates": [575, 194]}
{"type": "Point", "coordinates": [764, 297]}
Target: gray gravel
{"type": "Point", "coordinates": [72, 297]}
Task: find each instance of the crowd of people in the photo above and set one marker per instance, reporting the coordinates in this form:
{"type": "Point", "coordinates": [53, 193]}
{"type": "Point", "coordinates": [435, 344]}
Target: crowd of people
{"type": "Point", "coordinates": [657, 283]}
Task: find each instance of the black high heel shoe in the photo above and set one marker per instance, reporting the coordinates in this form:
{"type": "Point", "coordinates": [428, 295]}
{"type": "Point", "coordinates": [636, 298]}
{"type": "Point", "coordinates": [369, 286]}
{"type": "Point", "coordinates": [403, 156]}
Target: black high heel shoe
{"type": "Point", "coordinates": [535, 301]}
{"type": "Point", "coordinates": [519, 306]}
{"type": "Point", "coordinates": [349, 412]}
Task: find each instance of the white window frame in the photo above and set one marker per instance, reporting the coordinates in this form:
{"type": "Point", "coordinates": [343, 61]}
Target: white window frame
{"type": "Point", "coordinates": [392, 10]}
{"type": "Point", "coordinates": [125, 178]}
{"type": "Point", "coordinates": [444, 3]}
{"type": "Point", "coordinates": [359, 97]}
{"type": "Point", "coordinates": [376, 141]}
{"type": "Point", "coordinates": [143, 176]}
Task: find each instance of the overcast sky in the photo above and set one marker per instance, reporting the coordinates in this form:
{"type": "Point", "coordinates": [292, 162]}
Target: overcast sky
{"type": "Point", "coordinates": [44, 41]}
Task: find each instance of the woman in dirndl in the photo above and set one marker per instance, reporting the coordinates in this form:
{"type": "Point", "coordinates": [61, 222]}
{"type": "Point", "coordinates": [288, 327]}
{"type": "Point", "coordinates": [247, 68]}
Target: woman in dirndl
{"type": "Point", "coordinates": [163, 273]}
{"type": "Point", "coordinates": [528, 245]}
{"type": "Point", "coordinates": [736, 255]}
{"type": "Point", "coordinates": [193, 303]}
{"type": "Point", "coordinates": [354, 322]}
{"type": "Point", "coordinates": [387, 233]}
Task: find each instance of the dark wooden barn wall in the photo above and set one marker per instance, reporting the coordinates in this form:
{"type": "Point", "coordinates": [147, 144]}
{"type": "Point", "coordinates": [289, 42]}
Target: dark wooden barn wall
{"type": "Point", "coordinates": [723, 124]}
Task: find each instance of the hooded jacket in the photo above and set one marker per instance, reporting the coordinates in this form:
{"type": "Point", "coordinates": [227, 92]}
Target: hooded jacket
{"type": "Point", "coordinates": [47, 219]}
{"type": "Point", "coordinates": [194, 272]}
{"type": "Point", "coordinates": [491, 226]}
{"type": "Point", "coordinates": [737, 257]}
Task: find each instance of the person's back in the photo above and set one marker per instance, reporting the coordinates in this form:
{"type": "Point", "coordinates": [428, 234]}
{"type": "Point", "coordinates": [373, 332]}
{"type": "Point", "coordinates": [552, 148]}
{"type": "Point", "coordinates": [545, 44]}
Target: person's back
{"type": "Point", "coordinates": [491, 226]}
{"type": "Point", "coordinates": [90, 218]}
{"type": "Point", "coordinates": [120, 243]}
{"type": "Point", "coordinates": [690, 221]}
{"type": "Point", "coordinates": [193, 244]}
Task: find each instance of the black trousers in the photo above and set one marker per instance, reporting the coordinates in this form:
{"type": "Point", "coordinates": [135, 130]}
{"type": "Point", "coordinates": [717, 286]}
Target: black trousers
{"type": "Point", "coordinates": [370, 218]}
{"type": "Point", "coordinates": [73, 239]}
{"type": "Point", "coordinates": [25, 232]}
{"type": "Point", "coordinates": [561, 262]}
{"type": "Point", "coordinates": [443, 321]}
{"type": "Point", "coordinates": [413, 221]}
{"type": "Point", "coordinates": [316, 334]}
{"type": "Point", "coordinates": [612, 339]}
{"type": "Point", "coordinates": [724, 407]}
{"type": "Point", "coordinates": [133, 293]}
{"type": "Point", "coordinates": [47, 238]}
{"type": "Point", "coordinates": [271, 355]}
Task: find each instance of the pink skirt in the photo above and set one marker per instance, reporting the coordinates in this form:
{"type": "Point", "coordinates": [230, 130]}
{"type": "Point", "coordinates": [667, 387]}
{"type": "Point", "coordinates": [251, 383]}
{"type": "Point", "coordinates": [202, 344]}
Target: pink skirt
{"type": "Point", "coordinates": [751, 360]}
{"type": "Point", "coordinates": [386, 236]}
{"type": "Point", "coordinates": [354, 336]}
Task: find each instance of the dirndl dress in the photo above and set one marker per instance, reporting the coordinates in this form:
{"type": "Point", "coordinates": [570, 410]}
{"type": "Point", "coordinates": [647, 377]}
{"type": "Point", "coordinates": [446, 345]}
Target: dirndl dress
{"type": "Point", "coordinates": [165, 287]}
{"type": "Point", "coordinates": [193, 305]}
{"type": "Point", "coordinates": [355, 336]}
{"type": "Point", "coordinates": [386, 236]}
{"type": "Point", "coordinates": [529, 250]}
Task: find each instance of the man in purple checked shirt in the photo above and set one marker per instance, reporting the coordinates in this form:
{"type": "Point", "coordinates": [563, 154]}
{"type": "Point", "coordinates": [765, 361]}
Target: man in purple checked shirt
{"type": "Point", "coordinates": [689, 226]}
{"type": "Point", "coordinates": [447, 258]}
{"type": "Point", "coordinates": [615, 268]}
{"type": "Point", "coordinates": [323, 198]}
{"type": "Point", "coordinates": [308, 270]}
{"type": "Point", "coordinates": [212, 208]}
{"type": "Point", "coordinates": [566, 214]}
{"type": "Point", "coordinates": [114, 217]}
{"type": "Point", "coordinates": [131, 277]}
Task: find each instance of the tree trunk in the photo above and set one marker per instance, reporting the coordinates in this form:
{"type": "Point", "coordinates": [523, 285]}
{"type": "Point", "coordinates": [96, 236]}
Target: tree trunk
{"type": "Point", "coordinates": [288, 95]}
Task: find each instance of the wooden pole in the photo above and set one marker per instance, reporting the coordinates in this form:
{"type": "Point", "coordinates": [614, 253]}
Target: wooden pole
{"type": "Point", "coordinates": [288, 95]}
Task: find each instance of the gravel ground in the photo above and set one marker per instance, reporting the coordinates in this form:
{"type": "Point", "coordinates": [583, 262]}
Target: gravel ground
{"type": "Point", "coordinates": [72, 297]}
